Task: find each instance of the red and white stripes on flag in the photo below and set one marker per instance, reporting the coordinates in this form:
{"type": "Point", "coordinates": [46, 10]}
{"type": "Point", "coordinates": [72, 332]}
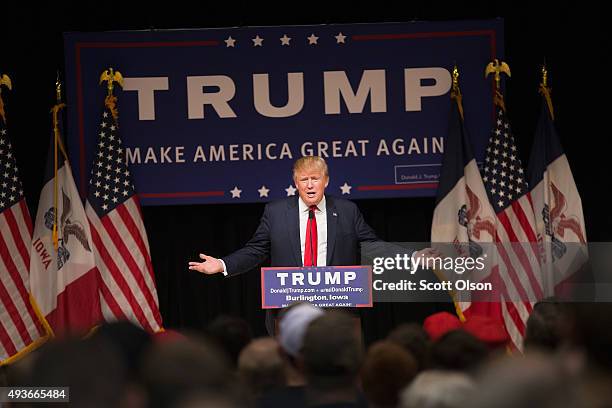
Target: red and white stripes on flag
{"type": "Point", "coordinates": [21, 327]}
{"type": "Point", "coordinates": [517, 274]}
{"type": "Point", "coordinates": [122, 250]}
{"type": "Point", "coordinates": [120, 241]}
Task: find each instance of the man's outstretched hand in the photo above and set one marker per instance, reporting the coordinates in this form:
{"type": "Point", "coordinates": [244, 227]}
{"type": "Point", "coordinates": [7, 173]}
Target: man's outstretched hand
{"type": "Point", "coordinates": [209, 265]}
{"type": "Point", "coordinates": [427, 254]}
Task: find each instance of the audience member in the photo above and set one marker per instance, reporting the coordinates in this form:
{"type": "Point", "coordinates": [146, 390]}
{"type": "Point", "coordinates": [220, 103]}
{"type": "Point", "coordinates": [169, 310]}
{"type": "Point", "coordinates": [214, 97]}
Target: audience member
{"type": "Point", "coordinates": [438, 389]}
{"type": "Point", "coordinates": [175, 370]}
{"type": "Point", "coordinates": [544, 326]}
{"type": "Point", "coordinates": [230, 334]}
{"type": "Point", "coordinates": [458, 351]}
{"type": "Point", "coordinates": [413, 339]}
{"type": "Point", "coordinates": [260, 367]}
{"type": "Point", "coordinates": [332, 358]}
{"type": "Point", "coordinates": [387, 369]}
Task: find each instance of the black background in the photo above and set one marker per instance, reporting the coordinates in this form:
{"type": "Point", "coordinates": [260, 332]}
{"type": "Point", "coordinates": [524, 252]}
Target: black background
{"type": "Point", "coordinates": [571, 38]}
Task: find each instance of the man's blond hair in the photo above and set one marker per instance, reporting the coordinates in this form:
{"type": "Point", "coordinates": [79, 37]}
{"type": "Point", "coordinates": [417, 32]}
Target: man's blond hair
{"type": "Point", "coordinates": [310, 162]}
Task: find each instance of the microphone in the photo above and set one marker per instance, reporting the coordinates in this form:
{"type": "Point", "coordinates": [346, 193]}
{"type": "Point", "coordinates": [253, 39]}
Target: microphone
{"type": "Point", "coordinates": [311, 214]}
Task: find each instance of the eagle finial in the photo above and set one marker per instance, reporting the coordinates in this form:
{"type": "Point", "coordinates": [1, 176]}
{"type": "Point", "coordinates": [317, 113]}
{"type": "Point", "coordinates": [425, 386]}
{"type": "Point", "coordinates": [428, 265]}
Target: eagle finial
{"type": "Point", "coordinates": [6, 81]}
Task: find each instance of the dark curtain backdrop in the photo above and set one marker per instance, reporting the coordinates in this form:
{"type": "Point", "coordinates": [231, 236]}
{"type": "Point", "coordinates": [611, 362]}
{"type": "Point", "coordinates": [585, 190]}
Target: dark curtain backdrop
{"type": "Point", "coordinates": [571, 38]}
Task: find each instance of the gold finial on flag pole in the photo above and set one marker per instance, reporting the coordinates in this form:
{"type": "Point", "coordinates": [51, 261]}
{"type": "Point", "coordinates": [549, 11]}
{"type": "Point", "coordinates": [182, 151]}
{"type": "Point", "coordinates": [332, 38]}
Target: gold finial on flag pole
{"type": "Point", "coordinates": [58, 89]}
{"type": "Point", "coordinates": [497, 68]}
{"type": "Point", "coordinates": [6, 81]}
{"type": "Point", "coordinates": [456, 91]}
{"type": "Point", "coordinates": [544, 76]}
{"type": "Point", "coordinates": [111, 76]}
{"type": "Point", "coordinates": [546, 91]}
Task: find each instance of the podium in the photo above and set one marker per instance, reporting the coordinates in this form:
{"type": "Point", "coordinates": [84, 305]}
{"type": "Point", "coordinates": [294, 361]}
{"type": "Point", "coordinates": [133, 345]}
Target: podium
{"type": "Point", "coordinates": [332, 287]}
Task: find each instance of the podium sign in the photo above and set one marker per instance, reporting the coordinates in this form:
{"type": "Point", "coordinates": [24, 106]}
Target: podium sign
{"type": "Point", "coordinates": [324, 286]}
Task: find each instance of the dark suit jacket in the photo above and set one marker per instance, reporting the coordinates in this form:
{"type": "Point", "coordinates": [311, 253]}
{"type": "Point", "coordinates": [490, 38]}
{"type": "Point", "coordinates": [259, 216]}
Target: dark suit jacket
{"type": "Point", "coordinates": [278, 236]}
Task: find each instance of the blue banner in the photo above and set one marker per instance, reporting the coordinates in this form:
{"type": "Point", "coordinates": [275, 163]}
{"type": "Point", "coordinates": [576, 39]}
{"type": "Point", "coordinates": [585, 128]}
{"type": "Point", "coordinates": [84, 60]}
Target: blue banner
{"type": "Point", "coordinates": [324, 286]}
{"type": "Point", "coordinates": [220, 115]}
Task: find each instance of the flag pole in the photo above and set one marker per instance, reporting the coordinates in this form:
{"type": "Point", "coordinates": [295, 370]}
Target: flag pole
{"type": "Point", "coordinates": [456, 91]}
{"type": "Point", "coordinates": [56, 143]}
{"type": "Point", "coordinates": [545, 91]}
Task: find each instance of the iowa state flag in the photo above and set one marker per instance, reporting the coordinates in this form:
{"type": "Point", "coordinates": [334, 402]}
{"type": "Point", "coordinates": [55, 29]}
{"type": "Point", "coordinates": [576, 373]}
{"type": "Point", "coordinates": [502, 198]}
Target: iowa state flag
{"type": "Point", "coordinates": [463, 216]}
{"type": "Point", "coordinates": [63, 274]}
{"type": "Point", "coordinates": [558, 209]}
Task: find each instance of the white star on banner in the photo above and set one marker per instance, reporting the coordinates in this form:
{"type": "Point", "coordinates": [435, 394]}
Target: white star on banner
{"type": "Point", "coordinates": [312, 40]}
{"type": "Point", "coordinates": [236, 192]}
{"type": "Point", "coordinates": [230, 42]}
{"type": "Point", "coordinates": [285, 40]}
{"type": "Point", "coordinates": [340, 38]}
{"type": "Point", "coordinates": [257, 41]}
{"type": "Point", "coordinates": [263, 191]}
{"type": "Point", "coordinates": [290, 190]}
{"type": "Point", "coordinates": [346, 189]}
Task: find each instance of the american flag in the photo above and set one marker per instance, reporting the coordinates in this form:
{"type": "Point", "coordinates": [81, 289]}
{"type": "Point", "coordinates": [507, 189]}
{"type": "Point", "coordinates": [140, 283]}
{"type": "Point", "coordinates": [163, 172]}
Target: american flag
{"type": "Point", "coordinates": [21, 329]}
{"type": "Point", "coordinates": [517, 272]}
{"type": "Point", "coordinates": [120, 241]}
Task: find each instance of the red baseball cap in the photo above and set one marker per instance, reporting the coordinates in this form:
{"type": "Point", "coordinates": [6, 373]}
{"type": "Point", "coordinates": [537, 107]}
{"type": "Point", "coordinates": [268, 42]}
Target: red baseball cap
{"type": "Point", "coordinates": [438, 324]}
{"type": "Point", "coordinates": [488, 330]}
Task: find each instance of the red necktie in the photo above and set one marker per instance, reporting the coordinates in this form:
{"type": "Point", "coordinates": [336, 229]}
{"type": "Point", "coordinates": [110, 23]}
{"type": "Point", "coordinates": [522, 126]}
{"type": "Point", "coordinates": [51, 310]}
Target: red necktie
{"type": "Point", "coordinates": [311, 247]}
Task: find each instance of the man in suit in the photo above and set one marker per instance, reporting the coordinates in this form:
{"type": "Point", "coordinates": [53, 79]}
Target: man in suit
{"type": "Point", "coordinates": [312, 229]}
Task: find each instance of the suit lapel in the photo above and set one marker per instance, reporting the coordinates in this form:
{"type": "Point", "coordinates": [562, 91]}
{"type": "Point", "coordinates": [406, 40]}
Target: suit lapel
{"type": "Point", "coordinates": [332, 221]}
{"type": "Point", "coordinates": [293, 228]}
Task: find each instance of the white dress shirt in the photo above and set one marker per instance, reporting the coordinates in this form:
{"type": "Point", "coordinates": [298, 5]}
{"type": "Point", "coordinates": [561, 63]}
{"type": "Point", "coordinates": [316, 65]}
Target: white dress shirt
{"type": "Point", "coordinates": [321, 217]}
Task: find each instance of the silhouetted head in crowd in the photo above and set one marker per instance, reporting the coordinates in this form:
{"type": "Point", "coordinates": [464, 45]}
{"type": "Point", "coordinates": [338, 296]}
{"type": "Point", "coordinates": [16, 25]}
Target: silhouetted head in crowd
{"type": "Point", "coordinates": [438, 389]}
{"type": "Point", "coordinates": [130, 341]}
{"type": "Point", "coordinates": [231, 334]}
{"type": "Point", "coordinates": [260, 366]}
{"type": "Point", "coordinates": [591, 330]}
{"type": "Point", "coordinates": [534, 380]}
{"type": "Point", "coordinates": [176, 370]}
{"type": "Point", "coordinates": [208, 400]}
{"type": "Point", "coordinates": [457, 350]}
{"type": "Point", "coordinates": [545, 326]}
{"type": "Point", "coordinates": [332, 353]}
{"type": "Point", "coordinates": [92, 369]}
{"type": "Point", "coordinates": [294, 321]}
{"type": "Point", "coordinates": [387, 369]}
{"type": "Point", "coordinates": [412, 338]}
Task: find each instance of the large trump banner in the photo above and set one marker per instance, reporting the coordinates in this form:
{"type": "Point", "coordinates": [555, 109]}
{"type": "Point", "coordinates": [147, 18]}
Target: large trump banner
{"type": "Point", "coordinates": [220, 115]}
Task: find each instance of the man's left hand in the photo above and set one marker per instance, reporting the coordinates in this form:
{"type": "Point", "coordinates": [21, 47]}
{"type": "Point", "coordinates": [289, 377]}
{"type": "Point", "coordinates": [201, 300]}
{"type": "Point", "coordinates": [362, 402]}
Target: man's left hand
{"type": "Point", "coordinates": [427, 254]}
